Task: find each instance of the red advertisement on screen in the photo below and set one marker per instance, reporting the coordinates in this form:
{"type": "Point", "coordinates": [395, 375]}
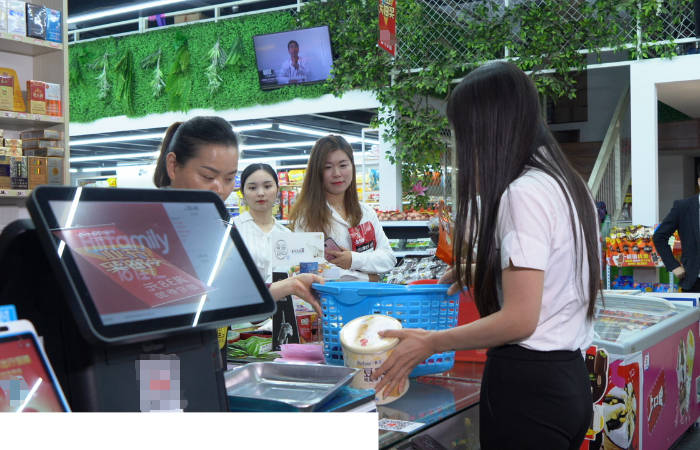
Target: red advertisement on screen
{"type": "Point", "coordinates": [387, 25]}
{"type": "Point", "coordinates": [22, 370]}
{"type": "Point", "coordinates": [133, 266]}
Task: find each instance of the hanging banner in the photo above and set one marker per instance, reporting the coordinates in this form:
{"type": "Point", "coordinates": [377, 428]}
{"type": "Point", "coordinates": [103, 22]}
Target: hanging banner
{"type": "Point", "coordinates": [387, 25]}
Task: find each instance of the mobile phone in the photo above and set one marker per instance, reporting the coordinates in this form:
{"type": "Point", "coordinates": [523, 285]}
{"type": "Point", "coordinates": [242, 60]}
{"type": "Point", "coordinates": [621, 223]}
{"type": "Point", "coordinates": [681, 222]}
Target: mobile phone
{"type": "Point", "coordinates": [27, 382]}
{"type": "Point", "coordinates": [330, 244]}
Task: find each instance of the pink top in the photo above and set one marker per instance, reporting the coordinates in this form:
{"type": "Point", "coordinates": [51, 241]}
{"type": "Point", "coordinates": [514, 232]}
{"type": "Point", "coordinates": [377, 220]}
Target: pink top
{"type": "Point", "coordinates": [534, 231]}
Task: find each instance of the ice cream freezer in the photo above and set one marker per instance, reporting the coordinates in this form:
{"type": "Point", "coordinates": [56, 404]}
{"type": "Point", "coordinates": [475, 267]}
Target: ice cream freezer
{"type": "Point", "coordinates": [644, 372]}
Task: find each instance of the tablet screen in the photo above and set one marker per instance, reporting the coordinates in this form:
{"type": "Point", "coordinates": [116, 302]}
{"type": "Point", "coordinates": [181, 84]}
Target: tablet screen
{"type": "Point", "coordinates": [141, 266]}
{"type": "Point", "coordinates": [151, 260]}
{"type": "Point", "coordinates": [25, 383]}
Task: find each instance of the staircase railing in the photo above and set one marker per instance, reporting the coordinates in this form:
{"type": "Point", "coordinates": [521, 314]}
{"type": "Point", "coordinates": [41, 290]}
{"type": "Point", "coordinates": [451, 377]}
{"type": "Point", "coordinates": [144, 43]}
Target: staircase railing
{"type": "Point", "coordinates": [611, 175]}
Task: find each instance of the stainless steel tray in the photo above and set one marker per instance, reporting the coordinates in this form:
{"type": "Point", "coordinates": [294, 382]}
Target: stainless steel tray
{"type": "Point", "coordinates": [302, 387]}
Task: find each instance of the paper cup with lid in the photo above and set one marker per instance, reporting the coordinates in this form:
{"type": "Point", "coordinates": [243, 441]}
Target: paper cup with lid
{"type": "Point", "coordinates": [364, 349]}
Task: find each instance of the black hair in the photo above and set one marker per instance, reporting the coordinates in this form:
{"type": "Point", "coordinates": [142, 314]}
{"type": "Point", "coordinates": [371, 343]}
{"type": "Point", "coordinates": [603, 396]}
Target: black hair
{"type": "Point", "coordinates": [184, 139]}
{"type": "Point", "coordinates": [251, 169]}
{"type": "Point", "coordinates": [499, 134]}
{"type": "Point", "coordinates": [292, 42]}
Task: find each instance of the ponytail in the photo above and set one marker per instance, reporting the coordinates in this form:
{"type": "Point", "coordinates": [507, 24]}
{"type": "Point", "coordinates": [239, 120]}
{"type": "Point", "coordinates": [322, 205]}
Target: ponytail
{"type": "Point", "coordinates": [183, 139]}
{"type": "Point", "coordinates": [160, 177]}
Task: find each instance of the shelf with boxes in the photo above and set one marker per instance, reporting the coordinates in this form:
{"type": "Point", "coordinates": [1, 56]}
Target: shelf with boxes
{"type": "Point", "coordinates": [33, 97]}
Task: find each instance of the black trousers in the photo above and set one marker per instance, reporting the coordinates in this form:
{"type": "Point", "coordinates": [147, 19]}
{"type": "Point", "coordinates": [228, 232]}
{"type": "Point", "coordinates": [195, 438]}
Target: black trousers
{"type": "Point", "coordinates": [695, 288]}
{"type": "Point", "coordinates": [534, 400]}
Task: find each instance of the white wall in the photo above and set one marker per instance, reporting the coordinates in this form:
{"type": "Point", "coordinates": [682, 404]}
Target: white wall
{"type": "Point", "coordinates": [644, 76]}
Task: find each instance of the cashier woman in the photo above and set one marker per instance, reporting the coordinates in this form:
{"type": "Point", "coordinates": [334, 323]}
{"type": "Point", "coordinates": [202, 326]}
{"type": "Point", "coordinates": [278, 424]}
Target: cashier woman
{"type": "Point", "coordinates": [202, 153]}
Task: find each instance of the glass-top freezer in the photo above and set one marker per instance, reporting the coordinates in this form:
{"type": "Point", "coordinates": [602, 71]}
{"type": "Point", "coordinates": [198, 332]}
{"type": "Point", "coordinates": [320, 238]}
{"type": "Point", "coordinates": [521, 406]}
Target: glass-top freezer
{"type": "Point", "coordinates": [629, 323]}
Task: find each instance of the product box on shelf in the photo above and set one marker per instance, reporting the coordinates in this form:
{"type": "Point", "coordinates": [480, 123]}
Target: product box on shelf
{"type": "Point", "coordinates": [57, 152]}
{"type": "Point", "coordinates": [53, 99]}
{"type": "Point", "coordinates": [7, 93]}
{"type": "Point", "coordinates": [5, 172]}
{"type": "Point", "coordinates": [19, 99]}
{"type": "Point", "coordinates": [12, 142]}
{"type": "Point", "coordinates": [36, 21]}
{"type": "Point", "coordinates": [36, 95]}
{"type": "Point", "coordinates": [10, 151]}
{"type": "Point", "coordinates": [43, 170]}
{"type": "Point", "coordinates": [54, 30]}
{"type": "Point", "coordinates": [18, 172]}
{"type": "Point", "coordinates": [3, 16]}
{"type": "Point", "coordinates": [41, 143]}
{"type": "Point", "coordinates": [16, 18]}
{"type": "Point", "coordinates": [41, 134]}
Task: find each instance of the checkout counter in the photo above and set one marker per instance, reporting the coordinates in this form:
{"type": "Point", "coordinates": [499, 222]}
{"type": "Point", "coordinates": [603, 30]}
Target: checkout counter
{"type": "Point", "coordinates": [127, 288]}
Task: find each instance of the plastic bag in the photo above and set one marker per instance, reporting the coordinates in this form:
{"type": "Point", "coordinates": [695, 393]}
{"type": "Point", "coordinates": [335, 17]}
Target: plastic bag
{"type": "Point", "coordinates": [446, 229]}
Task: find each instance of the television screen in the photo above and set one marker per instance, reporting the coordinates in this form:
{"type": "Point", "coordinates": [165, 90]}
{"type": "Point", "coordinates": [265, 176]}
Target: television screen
{"type": "Point", "coordinates": [293, 57]}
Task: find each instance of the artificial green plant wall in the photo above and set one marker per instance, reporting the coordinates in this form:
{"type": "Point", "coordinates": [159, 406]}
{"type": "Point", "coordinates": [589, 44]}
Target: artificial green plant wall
{"type": "Point", "coordinates": [189, 87]}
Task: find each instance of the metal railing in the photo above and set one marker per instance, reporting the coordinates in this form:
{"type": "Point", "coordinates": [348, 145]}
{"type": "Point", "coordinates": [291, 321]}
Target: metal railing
{"type": "Point", "coordinates": [611, 175]}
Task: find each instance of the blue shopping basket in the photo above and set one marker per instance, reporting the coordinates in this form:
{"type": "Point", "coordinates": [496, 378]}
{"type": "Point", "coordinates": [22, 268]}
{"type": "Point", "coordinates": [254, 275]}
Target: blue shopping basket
{"type": "Point", "coordinates": [416, 306]}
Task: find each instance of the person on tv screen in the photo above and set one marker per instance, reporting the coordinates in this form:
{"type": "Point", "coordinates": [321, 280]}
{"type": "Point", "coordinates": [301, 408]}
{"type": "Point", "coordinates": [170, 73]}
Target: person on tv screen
{"type": "Point", "coordinates": [202, 153]}
{"type": "Point", "coordinates": [296, 68]}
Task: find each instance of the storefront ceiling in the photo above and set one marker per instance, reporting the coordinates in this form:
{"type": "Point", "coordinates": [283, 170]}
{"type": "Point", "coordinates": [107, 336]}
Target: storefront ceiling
{"type": "Point", "coordinates": [342, 122]}
{"type": "Point", "coordinates": [681, 95]}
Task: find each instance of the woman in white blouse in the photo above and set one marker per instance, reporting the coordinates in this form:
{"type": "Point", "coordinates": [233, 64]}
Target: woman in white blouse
{"type": "Point", "coordinates": [260, 186]}
{"type": "Point", "coordinates": [328, 203]}
{"type": "Point", "coordinates": [536, 269]}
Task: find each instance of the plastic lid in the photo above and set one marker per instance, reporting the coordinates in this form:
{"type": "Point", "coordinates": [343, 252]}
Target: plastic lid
{"type": "Point", "coordinates": [361, 335]}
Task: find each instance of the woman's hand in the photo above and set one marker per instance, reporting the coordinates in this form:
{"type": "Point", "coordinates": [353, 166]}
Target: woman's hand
{"type": "Point", "coordinates": [342, 258]}
{"type": "Point", "coordinates": [300, 286]}
{"type": "Point", "coordinates": [416, 345]}
{"type": "Point", "coordinates": [450, 277]}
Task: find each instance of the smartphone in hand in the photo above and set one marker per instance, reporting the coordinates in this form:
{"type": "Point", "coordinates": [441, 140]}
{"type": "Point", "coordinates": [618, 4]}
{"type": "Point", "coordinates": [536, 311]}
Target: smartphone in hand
{"type": "Point", "coordinates": [330, 244]}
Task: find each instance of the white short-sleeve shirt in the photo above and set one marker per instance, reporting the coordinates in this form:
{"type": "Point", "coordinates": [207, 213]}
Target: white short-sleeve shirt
{"type": "Point", "coordinates": [258, 242]}
{"type": "Point", "coordinates": [534, 231]}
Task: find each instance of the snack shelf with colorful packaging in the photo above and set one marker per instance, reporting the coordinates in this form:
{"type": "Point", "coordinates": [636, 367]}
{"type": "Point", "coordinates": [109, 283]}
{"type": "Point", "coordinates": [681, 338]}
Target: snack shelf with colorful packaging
{"type": "Point", "coordinates": [644, 372]}
{"type": "Point", "coordinates": [632, 247]}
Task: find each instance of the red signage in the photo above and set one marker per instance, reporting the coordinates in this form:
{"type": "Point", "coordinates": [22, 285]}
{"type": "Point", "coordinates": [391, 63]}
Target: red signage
{"type": "Point", "coordinates": [655, 401]}
{"type": "Point", "coordinates": [387, 25]}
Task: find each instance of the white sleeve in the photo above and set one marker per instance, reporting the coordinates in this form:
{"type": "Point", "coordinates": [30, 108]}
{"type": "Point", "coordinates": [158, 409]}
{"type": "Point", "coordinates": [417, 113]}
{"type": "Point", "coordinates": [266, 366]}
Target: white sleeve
{"type": "Point", "coordinates": [284, 73]}
{"type": "Point", "coordinates": [379, 260]}
{"type": "Point", "coordinates": [525, 227]}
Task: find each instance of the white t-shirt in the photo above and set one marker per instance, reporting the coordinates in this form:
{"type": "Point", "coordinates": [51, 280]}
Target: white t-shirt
{"type": "Point", "coordinates": [379, 260]}
{"type": "Point", "coordinates": [288, 73]}
{"type": "Point", "coordinates": [258, 242]}
{"type": "Point", "coordinates": [534, 231]}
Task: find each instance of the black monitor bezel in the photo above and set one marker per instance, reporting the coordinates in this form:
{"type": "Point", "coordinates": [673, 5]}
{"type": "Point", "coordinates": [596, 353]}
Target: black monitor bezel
{"type": "Point", "coordinates": [306, 83]}
{"type": "Point", "coordinates": [78, 295]}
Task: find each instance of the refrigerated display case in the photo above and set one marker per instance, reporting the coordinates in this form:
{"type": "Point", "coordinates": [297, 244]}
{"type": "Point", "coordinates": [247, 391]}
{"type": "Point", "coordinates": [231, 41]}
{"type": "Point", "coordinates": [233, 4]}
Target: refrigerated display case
{"type": "Point", "coordinates": [644, 372]}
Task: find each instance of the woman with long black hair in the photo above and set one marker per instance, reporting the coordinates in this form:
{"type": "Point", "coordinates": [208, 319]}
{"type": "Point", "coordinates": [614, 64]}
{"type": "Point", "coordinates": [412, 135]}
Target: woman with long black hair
{"type": "Point", "coordinates": [535, 272]}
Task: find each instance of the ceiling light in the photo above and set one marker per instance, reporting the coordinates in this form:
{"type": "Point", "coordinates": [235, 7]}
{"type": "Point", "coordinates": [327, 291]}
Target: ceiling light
{"type": "Point", "coordinates": [101, 169]}
{"type": "Point", "coordinates": [247, 161]}
{"type": "Point", "coordinates": [121, 10]}
{"type": "Point", "coordinates": [111, 157]}
{"type": "Point", "coordinates": [278, 145]}
{"type": "Point", "coordinates": [253, 127]}
{"type": "Point", "coordinates": [320, 133]}
{"type": "Point", "coordinates": [123, 138]}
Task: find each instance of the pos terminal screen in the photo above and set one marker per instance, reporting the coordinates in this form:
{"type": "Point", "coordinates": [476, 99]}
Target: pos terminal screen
{"type": "Point", "coordinates": [25, 382]}
{"type": "Point", "coordinates": [147, 266]}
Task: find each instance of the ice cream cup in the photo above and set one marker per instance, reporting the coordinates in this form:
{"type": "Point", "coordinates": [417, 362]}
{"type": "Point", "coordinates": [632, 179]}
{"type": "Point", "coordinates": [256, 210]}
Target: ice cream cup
{"type": "Point", "coordinates": [364, 349]}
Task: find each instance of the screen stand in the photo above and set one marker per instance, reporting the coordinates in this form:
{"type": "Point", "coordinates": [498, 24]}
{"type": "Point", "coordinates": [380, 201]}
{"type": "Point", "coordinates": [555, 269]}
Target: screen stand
{"type": "Point", "coordinates": [177, 372]}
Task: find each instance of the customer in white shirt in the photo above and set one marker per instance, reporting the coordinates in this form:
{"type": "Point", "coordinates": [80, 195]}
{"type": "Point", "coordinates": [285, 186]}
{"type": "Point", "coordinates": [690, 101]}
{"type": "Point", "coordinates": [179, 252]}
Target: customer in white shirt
{"type": "Point", "coordinates": [536, 272]}
{"type": "Point", "coordinates": [260, 186]}
{"type": "Point", "coordinates": [328, 203]}
{"type": "Point", "coordinates": [296, 68]}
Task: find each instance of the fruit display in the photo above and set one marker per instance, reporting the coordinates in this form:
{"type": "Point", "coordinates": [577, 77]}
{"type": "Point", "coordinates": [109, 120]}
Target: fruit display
{"type": "Point", "coordinates": [410, 214]}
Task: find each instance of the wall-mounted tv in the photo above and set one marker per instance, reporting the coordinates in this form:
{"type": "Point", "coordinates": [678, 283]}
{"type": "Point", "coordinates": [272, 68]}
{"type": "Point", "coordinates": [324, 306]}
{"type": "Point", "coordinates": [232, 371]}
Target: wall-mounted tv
{"type": "Point", "coordinates": [293, 57]}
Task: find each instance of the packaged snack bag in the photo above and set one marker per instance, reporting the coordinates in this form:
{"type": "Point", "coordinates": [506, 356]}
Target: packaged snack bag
{"type": "Point", "coordinates": [446, 226]}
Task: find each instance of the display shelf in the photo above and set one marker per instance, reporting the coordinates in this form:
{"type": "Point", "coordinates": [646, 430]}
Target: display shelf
{"type": "Point", "coordinates": [404, 253]}
{"type": "Point", "coordinates": [404, 223]}
{"type": "Point", "coordinates": [12, 194]}
{"type": "Point", "coordinates": [25, 120]}
{"type": "Point", "coordinates": [24, 45]}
